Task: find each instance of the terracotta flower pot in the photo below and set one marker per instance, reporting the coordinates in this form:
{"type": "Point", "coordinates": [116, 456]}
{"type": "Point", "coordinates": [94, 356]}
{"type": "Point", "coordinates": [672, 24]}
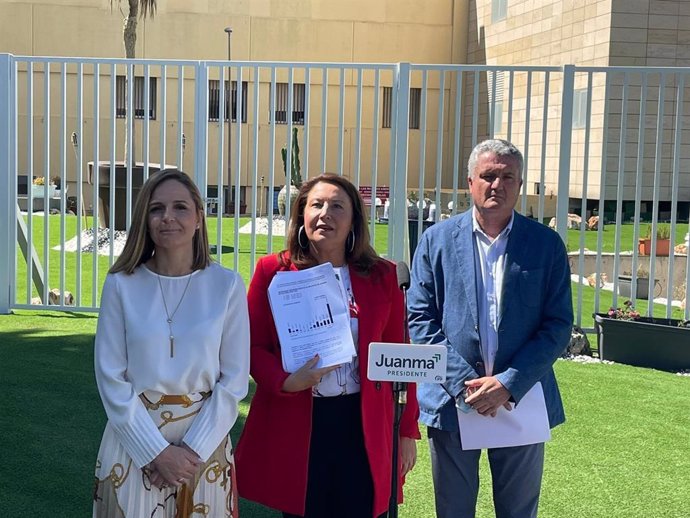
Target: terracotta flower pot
{"type": "Point", "coordinates": [644, 246]}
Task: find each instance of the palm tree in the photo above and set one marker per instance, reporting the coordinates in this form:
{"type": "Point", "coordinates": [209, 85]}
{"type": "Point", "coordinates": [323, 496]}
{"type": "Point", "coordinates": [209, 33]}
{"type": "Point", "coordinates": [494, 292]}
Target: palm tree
{"type": "Point", "coordinates": [129, 34]}
{"type": "Point", "coordinates": [129, 30]}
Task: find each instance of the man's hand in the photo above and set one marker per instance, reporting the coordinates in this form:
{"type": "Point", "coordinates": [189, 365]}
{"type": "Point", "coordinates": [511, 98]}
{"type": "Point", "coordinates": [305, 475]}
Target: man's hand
{"type": "Point", "coordinates": [487, 395]}
{"type": "Point", "coordinates": [306, 376]}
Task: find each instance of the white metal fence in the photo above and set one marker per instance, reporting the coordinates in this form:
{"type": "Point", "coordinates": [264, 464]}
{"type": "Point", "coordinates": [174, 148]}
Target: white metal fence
{"type": "Point", "coordinates": [597, 141]}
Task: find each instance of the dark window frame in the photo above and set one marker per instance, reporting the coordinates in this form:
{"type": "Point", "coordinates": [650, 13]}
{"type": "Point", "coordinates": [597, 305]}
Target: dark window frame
{"type": "Point", "coordinates": [214, 100]}
{"type": "Point", "coordinates": [138, 90]}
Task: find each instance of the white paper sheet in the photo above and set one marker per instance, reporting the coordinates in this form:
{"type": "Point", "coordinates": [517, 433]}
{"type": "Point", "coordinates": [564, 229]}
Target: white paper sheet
{"type": "Point", "coordinates": [311, 317]}
{"type": "Point", "coordinates": [526, 423]}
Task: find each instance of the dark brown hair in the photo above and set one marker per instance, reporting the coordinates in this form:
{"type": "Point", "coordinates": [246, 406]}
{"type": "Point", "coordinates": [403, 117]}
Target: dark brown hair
{"type": "Point", "coordinates": [139, 246]}
{"type": "Point", "coordinates": [363, 257]}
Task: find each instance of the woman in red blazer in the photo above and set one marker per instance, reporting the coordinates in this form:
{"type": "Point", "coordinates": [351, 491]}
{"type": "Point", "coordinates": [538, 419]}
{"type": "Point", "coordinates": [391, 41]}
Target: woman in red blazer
{"type": "Point", "coordinates": [317, 442]}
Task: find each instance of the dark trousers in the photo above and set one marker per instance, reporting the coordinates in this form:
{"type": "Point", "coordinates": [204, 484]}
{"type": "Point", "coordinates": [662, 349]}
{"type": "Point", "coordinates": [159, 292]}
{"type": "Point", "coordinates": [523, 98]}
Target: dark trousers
{"type": "Point", "coordinates": [339, 483]}
{"type": "Point", "coordinates": [516, 475]}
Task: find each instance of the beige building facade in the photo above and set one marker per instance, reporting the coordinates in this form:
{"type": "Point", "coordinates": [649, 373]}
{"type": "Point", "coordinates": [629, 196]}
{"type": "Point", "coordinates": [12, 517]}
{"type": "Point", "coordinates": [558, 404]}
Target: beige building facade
{"type": "Point", "coordinates": [503, 33]}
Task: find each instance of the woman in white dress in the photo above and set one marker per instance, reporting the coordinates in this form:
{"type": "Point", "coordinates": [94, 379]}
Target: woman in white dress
{"type": "Point", "coordinates": [172, 364]}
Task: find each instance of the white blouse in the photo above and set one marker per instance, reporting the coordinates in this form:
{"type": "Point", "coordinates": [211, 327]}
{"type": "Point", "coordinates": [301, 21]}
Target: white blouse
{"type": "Point", "coordinates": [211, 353]}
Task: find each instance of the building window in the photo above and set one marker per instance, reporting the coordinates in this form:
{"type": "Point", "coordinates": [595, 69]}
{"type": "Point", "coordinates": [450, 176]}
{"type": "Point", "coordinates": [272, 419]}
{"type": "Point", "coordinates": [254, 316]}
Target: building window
{"type": "Point", "coordinates": [298, 103]}
{"type": "Point", "coordinates": [579, 108]}
{"type": "Point", "coordinates": [495, 88]}
{"type": "Point", "coordinates": [415, 107]}
{"type": "Point", "coordinates": [499, 10]}
{"type": "Point", "coordinates": [214, 100]}
{"type": "Point", "coordinates": [121, 96]}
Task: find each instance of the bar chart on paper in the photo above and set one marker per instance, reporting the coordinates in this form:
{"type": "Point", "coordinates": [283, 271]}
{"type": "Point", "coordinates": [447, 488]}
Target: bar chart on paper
{"type": "Point", "coordinates": [320, 318]}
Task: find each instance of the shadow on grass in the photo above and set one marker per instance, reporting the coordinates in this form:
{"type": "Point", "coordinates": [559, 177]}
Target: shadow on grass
{"type": "Point", "coordinates": [52, 421]}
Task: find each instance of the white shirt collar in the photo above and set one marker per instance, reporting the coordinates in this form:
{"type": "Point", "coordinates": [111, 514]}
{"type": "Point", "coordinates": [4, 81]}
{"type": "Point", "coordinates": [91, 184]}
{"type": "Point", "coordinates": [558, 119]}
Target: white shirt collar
{"type": "Point", "coordinates": [504, 233]}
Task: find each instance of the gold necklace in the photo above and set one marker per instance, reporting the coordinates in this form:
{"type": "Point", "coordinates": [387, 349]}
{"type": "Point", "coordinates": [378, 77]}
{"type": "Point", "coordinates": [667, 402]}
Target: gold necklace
{"type": "Point", "coordinates": [167, 313]}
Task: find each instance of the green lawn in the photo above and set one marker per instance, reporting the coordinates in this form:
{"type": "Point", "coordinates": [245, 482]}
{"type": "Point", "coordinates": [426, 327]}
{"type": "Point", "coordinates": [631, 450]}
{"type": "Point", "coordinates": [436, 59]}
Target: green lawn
{"type": "Point", "coordinates": [626, 237]}
{"type": "Point", "coordinates": [89, 291]}
{"type": "Point", "coordinates": [622, 453]}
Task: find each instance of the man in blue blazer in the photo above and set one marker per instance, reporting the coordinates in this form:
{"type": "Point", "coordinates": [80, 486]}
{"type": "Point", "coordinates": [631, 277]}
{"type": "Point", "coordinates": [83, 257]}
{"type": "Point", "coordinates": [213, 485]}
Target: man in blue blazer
{"type": "Point", "coordinates": [494, 287]}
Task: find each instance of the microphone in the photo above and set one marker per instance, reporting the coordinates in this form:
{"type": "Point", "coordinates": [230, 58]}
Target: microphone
{"type": "Point", "coordinates": [403, 273]}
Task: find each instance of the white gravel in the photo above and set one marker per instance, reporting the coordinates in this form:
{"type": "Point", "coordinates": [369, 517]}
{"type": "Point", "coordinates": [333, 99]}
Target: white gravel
{"type": "Point", "coordinates": [261, 225]}
{"type": "Point", "coordinates": [102, 242]}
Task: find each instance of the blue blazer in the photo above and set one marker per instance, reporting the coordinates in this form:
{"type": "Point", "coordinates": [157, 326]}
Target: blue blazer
{"type": "Point", "coordinates": [536, 313]}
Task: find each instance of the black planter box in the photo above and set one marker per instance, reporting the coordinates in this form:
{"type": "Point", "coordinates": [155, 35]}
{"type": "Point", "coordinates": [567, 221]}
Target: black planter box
{"type": "Point", "coordinates": [657, 343]}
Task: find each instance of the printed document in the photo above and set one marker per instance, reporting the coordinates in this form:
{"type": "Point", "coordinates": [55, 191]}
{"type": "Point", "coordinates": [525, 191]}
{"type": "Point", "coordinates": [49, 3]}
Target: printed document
{"type": "Point", "coordinates": [311, 317]}
{"type": "Point", "coordinates": [526, 423]}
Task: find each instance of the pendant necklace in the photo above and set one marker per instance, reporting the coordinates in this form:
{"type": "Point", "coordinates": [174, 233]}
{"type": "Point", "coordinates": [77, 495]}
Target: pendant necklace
{"type": "Point", "coordinates": [172, 316]}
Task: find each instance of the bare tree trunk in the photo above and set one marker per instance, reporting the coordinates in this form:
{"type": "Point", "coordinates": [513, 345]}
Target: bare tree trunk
{"type": "Point", "coordinates": [130, 29]}
{"type": "Point", "coordinates": [129, 32]}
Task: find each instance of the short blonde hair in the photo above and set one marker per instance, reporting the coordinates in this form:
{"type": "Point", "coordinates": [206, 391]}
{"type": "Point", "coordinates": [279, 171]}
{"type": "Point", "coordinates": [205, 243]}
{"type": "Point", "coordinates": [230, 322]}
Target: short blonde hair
{"type": "Point", "coordinates": [139, 247]}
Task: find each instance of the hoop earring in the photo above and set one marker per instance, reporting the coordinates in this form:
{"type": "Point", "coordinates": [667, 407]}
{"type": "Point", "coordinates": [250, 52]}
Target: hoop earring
{"type": "Point", "coordinates": [299, 238]}
{"type": "Point", "coordinates": [351, 239]}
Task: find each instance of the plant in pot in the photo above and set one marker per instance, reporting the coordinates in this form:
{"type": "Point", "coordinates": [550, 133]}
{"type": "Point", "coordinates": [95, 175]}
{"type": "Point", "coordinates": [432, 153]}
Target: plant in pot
{"type": "Point", "coordinates": [624, 336]}
{"type": "Point", "coordinates": [38, 188]}
{"type": "Point", "coordinates": [663, 240]}
{"type": "Point", "coordinates": [295, 175]}
{"type": "Point", "coordinates": [625, 282]}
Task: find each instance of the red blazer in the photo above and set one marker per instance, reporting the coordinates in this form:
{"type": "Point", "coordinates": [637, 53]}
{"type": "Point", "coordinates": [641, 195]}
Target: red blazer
{"type": "Point", "coordinates": [272, 454]}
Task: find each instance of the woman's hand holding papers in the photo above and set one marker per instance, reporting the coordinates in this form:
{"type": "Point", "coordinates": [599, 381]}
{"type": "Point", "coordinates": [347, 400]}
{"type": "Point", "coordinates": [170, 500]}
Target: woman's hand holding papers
{"type": "Point", "coordinates": [306, 376]}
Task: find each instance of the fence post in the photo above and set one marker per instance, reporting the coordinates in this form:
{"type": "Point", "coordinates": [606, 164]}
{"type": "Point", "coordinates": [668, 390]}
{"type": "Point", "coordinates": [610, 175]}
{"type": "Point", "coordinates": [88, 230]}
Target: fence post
{"type": "Point", "coordinates": [201, 130]}
{"type": "Point", "coordinates": [565, 150]}
{"type": "Point", "coordinates": [397, 220]}
{"type": "Point", "coordinates": [7, 248]}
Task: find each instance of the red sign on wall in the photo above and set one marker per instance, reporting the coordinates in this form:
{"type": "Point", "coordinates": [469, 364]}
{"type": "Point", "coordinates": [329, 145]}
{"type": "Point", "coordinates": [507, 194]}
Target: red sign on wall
{"type": "Point", "coordinates": [383, 192]}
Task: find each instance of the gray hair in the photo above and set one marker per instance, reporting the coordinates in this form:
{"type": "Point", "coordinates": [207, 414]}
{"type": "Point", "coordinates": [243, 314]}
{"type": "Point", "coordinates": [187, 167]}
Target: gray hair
{"type": "Point", "coordinates": [500, 148]}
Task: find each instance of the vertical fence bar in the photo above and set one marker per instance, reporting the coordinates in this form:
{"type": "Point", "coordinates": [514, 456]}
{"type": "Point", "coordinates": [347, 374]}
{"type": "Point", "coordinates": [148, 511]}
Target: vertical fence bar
{"type": "Point", "coordinates": [457, 140]}
{"type": "Point", "coordinates": [95, 183]}
{"type": "Point", "coordinates": [30, 172]}
{"type": "Point", "coordinates": [255, 155]}
{"type": "Point", "coordinates": [163, 115]}
{"type": "Point", "coordinates": [341, 122]}
{"type": "Point", "coordinates": [509, 133]}
{"type": "Point", "coordinates": [638, 183]}
{"type": "Point", "coordinates": [583, 203]}
{"type": "Point", "coordinates": [63, 175]}
{"type": "Point", "coordinates": [439, 141]}
{"type": "Point", "coordinates": [201, 126]}
{"type": "Point", "coordinates": [621, 181]}
{"type": "Point", "coordinates": [222, 110]}
{"type": "Point", "coordinates": [602, 190]}
{"type": "Point", "coordinates": [7, 208]}
{"type": "Point", "coordinates": [238, 166]}
{"type": "Point", "coordinates": [358, 135]}
{"type": "Point", "coordinates": [544, 135]}
{"type": "Point", "coordinates": [324, 117]}
{"type": "Point", "coordinates": [421, 199]}
{"type": "Point", "coordinates": [674, 190]}
{"type": "Point", "coordinates": [129, 145]}
{"type": "Point", "coordinates": [146, 122]}
{"type": "Point", "coordinates": [111, 176]}
{"type": "Point", "coordinates": [565, 149]}
{"type": "Point", "coordinates": [375, 152]}
{"type": "Point", "coordinates": [657, 186]}
{"type": "Point", "coordinates": [307, 112]}
{"type": "Point", "coordinates": [180, 118]}
{"type": "Point", "coordinates": [46, 175]}
{"type": "Point", "coordinates": [288, 148]}
{"type": "Point", "coordinates": [271, 159]}
{"type": "Point", "coordinates": [525, 152]}
{"type": "Point", "coordinates": [398, 232]}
